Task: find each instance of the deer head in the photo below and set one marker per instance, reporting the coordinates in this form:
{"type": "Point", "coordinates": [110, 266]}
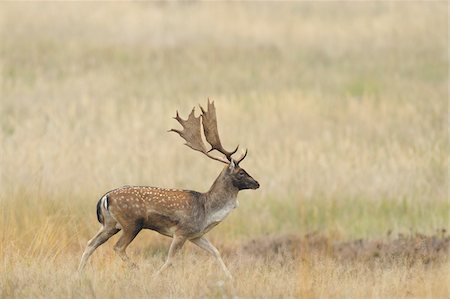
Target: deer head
{"type": "Point", "coordinates": [191, 132]}
{"type": "Point", "coordinates": [240, 178]}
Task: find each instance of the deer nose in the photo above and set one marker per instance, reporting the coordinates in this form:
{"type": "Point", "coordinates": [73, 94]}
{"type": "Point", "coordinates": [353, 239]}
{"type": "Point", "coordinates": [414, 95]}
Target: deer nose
{"type": "Point", "coordinates": [256, 185]}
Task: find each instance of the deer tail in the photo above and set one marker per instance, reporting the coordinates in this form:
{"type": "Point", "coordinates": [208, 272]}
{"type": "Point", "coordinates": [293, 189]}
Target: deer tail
{"type": "Point", "coordinates": [102, 202]}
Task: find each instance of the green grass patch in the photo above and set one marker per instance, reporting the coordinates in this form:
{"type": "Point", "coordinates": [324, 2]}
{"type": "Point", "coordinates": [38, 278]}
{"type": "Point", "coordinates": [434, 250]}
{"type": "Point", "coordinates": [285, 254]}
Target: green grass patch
{"type": "Point", "coordinates": [343, 218]}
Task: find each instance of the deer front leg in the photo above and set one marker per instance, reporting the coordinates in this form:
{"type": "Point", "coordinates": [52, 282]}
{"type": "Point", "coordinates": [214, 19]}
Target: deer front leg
{"type": "Point", "coordinates": [175, 246]}
{"type": "Point", "coordinates": [203, 243]}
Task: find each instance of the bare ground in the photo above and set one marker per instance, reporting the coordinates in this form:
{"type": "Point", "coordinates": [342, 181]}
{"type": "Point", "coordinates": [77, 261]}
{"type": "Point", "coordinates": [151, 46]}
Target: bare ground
{"type": "Point", "coordinates": [411, 249]}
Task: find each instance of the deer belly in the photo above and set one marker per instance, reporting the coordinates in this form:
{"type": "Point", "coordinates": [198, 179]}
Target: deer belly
{"type": "Point", "coordinates": [161, 223]}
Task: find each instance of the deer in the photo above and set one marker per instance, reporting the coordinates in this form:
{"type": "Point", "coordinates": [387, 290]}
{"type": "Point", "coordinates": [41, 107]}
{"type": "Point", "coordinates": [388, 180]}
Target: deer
{"type": "Point", "coordinates": [183, 215]}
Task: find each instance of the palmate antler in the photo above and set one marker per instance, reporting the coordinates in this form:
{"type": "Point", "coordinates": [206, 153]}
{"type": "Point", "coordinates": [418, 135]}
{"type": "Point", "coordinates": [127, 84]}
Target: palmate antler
{"type": "Point", "coordinates": [192, 134]}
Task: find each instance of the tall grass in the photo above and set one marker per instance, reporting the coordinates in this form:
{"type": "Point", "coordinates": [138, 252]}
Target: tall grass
{"type": "Point", "coordinates": [343, 107]}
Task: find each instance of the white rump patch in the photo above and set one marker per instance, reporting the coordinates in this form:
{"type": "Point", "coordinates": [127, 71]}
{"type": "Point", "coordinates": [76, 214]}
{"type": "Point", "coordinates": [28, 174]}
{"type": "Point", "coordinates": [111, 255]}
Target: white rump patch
{"type": "Point", "coordinates": [105, 202]}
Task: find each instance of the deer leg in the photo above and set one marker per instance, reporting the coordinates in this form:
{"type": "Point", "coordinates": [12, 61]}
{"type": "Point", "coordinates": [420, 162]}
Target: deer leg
{"type": "Point", "coordinates": [101, 237]}
{"type": "Point", "coordinates": [175, 246]}
{"type": "Point", "coordinates": [123, 242]}
{"type": "Point", "coordinates": [203, 243]}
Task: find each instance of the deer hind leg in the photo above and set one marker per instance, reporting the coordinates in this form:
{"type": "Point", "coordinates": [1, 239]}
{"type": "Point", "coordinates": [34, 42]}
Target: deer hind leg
{"type": "Point", "coordinates": [106, 232]}
{"type": "Point", "coordinates": [203, 243]}
{"type": "Point", "coordinates": [127, 237]}
{"type": "Point", "coordinates": [175, 246]}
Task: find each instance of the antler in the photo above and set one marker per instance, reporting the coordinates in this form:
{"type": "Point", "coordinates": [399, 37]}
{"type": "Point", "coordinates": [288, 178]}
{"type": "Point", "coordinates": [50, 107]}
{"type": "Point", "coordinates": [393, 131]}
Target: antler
{"type": "Point", "coordinates": [209, 121]}
{"type": "Point", "coordinates": [241, 157]}
{"type": "Point", "coordinates": [192, 134]}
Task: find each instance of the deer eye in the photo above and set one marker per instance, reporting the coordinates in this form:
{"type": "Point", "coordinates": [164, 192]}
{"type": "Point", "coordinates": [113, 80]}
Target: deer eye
{"type": "Point", "coordinates": [241, 173]}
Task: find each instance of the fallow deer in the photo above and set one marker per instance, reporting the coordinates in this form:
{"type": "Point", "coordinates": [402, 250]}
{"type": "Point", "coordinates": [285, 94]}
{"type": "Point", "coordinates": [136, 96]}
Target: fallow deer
{"type": "Point", "coordinates": [181, 214]}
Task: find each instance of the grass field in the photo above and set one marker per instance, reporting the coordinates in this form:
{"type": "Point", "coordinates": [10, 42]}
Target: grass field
{"type": "Point", "coordinates": [343, 107]}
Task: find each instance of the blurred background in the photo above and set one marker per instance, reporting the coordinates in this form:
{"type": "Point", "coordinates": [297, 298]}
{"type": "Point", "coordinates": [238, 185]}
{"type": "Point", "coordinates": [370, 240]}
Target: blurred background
{"type": "Point", "coordinates": [342, 106]}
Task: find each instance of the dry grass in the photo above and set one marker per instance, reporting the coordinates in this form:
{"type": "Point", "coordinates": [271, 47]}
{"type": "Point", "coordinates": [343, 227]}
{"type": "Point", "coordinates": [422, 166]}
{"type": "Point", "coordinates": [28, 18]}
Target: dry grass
{"type": "Point", "coordinates": [343, 109]}
{"type": "Point", "coordinates": [311, 278]}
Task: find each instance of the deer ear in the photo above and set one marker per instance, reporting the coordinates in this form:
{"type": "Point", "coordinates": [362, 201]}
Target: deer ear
{"type": "Point", "coordinates": [231, 165]}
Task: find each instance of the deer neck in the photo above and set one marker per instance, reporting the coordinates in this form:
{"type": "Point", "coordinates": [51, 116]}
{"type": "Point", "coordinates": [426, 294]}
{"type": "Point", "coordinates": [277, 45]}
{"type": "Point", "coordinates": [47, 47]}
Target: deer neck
{"type": "Point", "coordinates": [221, 196]}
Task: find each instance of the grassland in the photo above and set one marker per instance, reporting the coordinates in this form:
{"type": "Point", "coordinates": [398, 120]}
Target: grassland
{"type": "Point", "coordinates": [343, 107]}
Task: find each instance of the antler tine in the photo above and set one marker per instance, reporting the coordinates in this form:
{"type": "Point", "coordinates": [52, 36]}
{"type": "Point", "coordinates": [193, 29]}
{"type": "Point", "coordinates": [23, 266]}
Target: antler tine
{"type": "Point", "coordinates": [192, 134]}
{"type": "Point", "coordinates": [241, 157]}
{"type": "Point", "coordinates": [209, 121]}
